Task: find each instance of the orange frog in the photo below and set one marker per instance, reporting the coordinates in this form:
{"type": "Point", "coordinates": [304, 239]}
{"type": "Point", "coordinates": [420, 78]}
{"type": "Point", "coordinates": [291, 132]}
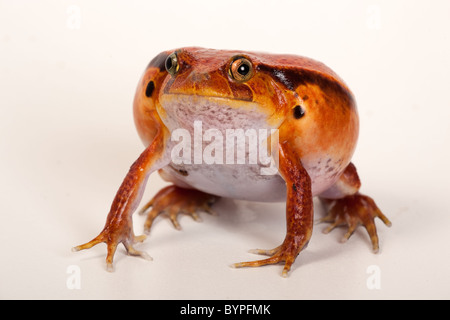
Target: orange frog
{"type": "Point", "coordinates": [206, 118]}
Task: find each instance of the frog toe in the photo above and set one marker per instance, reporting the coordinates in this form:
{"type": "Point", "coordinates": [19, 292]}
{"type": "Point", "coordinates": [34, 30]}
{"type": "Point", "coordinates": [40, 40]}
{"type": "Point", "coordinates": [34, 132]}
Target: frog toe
{"type": "Point", "coordinates": [275, 259]}
{"type": "Point", "coordinates": [112, 236]}
{"type": "Point", "coordinates": [173, 201]}
{"type": "Point", "coordinates": [353, 211]}
{"type": "Point", "coordinates": [281, 254]}
{"type": "Point", "coordinates": [264, 252]}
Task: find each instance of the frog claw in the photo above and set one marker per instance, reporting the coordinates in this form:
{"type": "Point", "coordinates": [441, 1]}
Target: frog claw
{"type": "Point", "coordinates": [173, 201]}
{"type": "Point", "coordinates": [353, 211]}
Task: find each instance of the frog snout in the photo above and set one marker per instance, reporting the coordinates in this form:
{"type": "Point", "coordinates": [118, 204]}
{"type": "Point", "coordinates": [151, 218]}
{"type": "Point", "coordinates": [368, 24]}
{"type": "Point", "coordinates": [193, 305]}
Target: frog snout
{"type": "Point", "coordinates": [197, 77]}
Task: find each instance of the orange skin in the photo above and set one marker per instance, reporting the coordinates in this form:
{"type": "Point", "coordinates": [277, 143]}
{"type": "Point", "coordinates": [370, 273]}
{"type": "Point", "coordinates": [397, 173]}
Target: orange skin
{"type": "Point", "coordinates": [306, 101]}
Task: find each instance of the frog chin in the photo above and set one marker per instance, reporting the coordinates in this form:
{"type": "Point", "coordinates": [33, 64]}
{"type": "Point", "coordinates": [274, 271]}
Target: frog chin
{"type": "Point", "coordinates": [181, 111]}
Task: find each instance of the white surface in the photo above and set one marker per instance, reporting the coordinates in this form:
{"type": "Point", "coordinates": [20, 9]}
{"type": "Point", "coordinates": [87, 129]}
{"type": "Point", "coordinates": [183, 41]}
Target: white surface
{"type": "Point", "coordinates": [68, 138]}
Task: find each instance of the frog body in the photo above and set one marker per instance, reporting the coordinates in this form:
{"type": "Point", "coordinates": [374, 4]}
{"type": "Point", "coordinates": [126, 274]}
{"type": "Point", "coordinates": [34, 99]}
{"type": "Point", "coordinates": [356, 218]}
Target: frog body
{"type": "Point", "coordinates": [232, 110]}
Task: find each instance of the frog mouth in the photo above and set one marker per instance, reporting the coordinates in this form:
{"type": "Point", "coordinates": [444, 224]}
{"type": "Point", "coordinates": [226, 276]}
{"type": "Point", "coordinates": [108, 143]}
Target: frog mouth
{"type": "Point", "coordinates": [181, 111]}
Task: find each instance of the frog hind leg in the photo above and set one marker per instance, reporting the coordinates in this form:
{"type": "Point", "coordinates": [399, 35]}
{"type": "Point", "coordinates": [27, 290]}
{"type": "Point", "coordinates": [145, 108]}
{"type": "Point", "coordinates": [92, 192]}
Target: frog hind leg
{"type": "Point", "coordinates": [173, 201]}
{"type": "Point", "coordinates": [347, 206]}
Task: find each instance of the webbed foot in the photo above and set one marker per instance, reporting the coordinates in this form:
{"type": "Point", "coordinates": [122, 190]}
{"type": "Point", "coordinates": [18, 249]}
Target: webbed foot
{"type": "Point", "coordinates": [173, 201]}
{"type": "Point", "coordinates": [354, 210]}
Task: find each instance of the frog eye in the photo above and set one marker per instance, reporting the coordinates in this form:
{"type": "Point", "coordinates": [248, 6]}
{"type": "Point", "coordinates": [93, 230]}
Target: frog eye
{"type": "Point", "coordinates": [241, 69]}
{"type": "Point", "coordinates": [171, 64]}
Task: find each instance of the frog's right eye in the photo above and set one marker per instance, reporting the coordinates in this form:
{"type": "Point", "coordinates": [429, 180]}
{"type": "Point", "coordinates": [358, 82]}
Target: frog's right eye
{"type": "Point", "coordinates": [172, 65]}
{"type": "Point", "coordinates": [241, 69]}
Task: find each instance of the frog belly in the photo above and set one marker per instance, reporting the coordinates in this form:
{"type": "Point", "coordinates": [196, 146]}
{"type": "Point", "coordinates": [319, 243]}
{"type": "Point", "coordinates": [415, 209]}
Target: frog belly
{"type": "Point", "coordinates": [244, 182]}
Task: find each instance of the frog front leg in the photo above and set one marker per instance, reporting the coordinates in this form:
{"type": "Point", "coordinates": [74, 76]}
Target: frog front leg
{"type": "Point", "coordinates": [119, 224]}
{"type": "Point", "coordinates": [299, 213]}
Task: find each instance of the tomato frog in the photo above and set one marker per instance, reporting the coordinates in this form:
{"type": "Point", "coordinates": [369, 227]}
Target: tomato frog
{"type": "Point", "coordinates": [204, 114]}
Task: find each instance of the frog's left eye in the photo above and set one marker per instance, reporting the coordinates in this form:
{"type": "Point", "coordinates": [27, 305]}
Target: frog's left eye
{"type": "Point", "coordinates": [171, 64]}
{"type": "Point", "coordinates": [241, 69]}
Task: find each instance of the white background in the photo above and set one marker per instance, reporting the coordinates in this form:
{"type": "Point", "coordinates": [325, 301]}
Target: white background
{"type": "Point", "coordinates": [68, 71]}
